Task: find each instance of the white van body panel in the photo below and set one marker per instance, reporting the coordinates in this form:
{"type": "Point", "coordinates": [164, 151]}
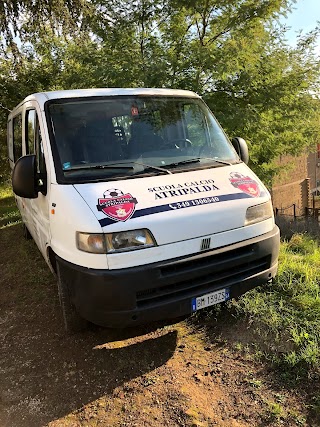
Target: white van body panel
{"type": "Point", "coordinates": [35, 212]}
{"type": "Point", "coordinates": [38, 209]}
{"type": "Point", "coordinates": [179, 230]}
{"type": "Point", "coordinates": [72, 214]}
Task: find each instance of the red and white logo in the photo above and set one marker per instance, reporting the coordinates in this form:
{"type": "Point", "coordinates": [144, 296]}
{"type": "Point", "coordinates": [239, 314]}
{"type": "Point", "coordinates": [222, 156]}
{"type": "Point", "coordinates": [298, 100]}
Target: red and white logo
{"type": "Point", "coordinates": [116, 205]}
{"type": "Point", "coordinates": [245, 184]}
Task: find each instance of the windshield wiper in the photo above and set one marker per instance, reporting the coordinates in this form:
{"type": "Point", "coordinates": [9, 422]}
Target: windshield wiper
{"type": "Point", "coordinates": [119, 165]}
{"type": "Point", "coordinates": [183, 162]}
{"type": "Point", "coordinates": [223, 162]}
{"type": "Point", "coordinates": [86, 167]}
{"type": "Point", "coordinates": [146, 167]}
{"type": "Point", "coordinates": [197, 160]}
{"type": "Point", "coordinates": [150, 167]}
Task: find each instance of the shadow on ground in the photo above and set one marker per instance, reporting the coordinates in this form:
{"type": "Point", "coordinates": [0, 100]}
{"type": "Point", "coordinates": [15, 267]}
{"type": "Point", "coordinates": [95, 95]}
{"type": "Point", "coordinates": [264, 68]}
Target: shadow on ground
{"type": "Point", "coordinates": [45, 374]}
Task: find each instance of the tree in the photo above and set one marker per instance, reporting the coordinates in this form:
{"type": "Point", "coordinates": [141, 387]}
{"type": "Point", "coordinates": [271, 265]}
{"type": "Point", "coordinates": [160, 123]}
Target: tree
{"type": "Point", "coordinates": [231, 52]}
{"type": "Point", "coordinates": [272, 101]}
{"type": "Point", "coordinates": [22, 17]}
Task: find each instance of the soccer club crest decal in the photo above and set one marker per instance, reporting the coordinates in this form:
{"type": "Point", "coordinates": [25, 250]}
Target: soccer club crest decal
{"type": "Point", "coordinates": [116, 205]}
{"type": "Point", "coordinates": [245, 184]}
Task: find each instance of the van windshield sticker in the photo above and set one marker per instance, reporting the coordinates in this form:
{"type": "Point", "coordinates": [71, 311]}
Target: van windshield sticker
{"type": "Point", "coordinates": [66, 165]}
{"type": "Point", "coordinates": [181, 205]}
{"type": "Point", "coordinates": [116, 205]}
{"type": "Point", "coordinates": [245, 184]}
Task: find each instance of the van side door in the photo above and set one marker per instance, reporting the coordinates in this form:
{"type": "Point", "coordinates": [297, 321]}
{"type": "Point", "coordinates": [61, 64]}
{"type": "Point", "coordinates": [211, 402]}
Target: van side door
{"type": "Point", "coordinates": [37, 209]}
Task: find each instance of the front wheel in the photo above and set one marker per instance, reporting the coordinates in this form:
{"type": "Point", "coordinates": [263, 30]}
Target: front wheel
{"type": "Point", "coordinates": [73, 322]}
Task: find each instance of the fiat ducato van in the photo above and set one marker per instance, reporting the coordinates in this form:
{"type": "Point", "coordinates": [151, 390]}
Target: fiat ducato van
{"type": "Point", "coordinates": [139, 203]}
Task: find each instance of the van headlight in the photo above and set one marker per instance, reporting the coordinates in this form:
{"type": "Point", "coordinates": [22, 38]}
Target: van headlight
{"type": "Point", "coordinates": [259, 213]}
{"type": "Point", "coordinates": [129, 240]}
{"type": "Point", "coordinates": [115, 242]}
{"type": "Point", "coordinates": [93, 243]}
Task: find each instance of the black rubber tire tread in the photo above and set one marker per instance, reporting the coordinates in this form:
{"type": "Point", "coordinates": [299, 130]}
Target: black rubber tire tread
{"type": "Point", "coordinates": [73, 322]}
{"type": "Point", "coordinates": [26, 232]}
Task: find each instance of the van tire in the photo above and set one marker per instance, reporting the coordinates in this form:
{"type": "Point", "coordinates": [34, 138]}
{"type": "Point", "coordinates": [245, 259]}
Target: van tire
{"type": "Point", "coordinates": [26, 232]}
{"type": "Point", "coordinates": [73, 322]}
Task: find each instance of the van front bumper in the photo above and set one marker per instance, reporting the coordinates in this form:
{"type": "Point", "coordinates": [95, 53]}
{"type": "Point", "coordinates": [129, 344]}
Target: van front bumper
{"type": "Point", "coordinates": [163, 290]}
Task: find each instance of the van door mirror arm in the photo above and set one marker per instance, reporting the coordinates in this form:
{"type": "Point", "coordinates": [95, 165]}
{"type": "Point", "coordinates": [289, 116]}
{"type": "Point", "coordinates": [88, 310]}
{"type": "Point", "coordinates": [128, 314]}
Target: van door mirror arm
{"type": "Point", "coordinates": [41, 178]}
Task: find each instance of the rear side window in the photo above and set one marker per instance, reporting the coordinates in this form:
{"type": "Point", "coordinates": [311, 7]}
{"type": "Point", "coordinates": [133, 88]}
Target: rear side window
{"type": "Point", "coordinates": [17, 137]}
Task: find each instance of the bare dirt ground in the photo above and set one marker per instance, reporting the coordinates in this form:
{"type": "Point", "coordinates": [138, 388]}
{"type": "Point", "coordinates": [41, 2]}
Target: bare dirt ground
{"type": "Point", "coordinates": [194, 372]}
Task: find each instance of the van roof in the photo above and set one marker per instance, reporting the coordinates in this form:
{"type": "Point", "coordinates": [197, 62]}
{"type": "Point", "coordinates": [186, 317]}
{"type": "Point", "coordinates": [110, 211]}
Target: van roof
{"type": "Point", "coordinates": [42, 97]}
{"type": "Point", "coordinates": [117, 91]}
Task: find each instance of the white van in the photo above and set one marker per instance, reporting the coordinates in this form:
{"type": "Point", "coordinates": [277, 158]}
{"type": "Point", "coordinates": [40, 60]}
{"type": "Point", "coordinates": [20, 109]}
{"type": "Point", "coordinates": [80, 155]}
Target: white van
{"type": "Point", "coordinates": [139, 203]}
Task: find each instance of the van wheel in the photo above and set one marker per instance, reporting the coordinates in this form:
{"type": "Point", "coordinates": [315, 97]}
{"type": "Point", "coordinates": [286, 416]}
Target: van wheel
{"type": "Point", "coordinates": [26, 232]}
{"type": "Point", "coordinates": [73, 322]}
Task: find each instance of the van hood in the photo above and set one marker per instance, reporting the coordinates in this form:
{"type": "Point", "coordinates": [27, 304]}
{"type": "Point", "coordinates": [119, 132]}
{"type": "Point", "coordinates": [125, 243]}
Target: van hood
{"type": "Point", "coordinates": [179, 206]}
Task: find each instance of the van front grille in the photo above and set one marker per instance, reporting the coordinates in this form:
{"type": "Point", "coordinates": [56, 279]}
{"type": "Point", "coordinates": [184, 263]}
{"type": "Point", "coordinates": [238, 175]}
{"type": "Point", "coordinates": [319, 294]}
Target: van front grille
{"type": "Point", "coordinates": [203, 281]}
{"type": "Point", "coordinates": [215, 261]}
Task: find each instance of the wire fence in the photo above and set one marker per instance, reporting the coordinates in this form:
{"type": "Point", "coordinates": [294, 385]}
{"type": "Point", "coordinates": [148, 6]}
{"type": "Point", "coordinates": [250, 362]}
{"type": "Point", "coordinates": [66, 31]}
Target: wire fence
{"type": "Point", "coordinates": [291, 210]}
{"type": "Point", "coordinates": [297, 212]}
{"type": "Point", "coordinates": [293, 219]}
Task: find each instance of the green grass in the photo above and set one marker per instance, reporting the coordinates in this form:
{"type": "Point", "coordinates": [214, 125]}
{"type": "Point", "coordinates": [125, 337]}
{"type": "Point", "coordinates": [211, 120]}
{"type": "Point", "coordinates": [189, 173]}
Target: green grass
{"type": "Point", "coordinates": [9, 214]}
{"type": "Point", "coordinates": [286, 314]}
{"type": "Point", "coordinates": [274, 411]}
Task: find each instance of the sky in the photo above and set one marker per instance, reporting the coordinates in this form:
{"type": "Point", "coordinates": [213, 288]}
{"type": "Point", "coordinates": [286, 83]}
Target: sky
{"type": "Point", "coordinates": [304, 16]}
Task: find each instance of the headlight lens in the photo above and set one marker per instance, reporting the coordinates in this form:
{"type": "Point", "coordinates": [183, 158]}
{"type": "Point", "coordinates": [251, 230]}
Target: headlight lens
{"type": "Point", "coordinates": [94, 243]}
{"type": "Point", "coordinates": [129, 240]}
{"type": "Point", "coordinates": [259, 213]}
{"type": "Point", "coordinates": [114, 242]}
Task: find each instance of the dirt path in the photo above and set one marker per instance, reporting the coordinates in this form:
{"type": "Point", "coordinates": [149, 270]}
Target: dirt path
{"type": "Point", "coordinates": [178, 374]}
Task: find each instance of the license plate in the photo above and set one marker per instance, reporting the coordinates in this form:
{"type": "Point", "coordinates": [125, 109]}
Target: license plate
{"type": "Point", "coordinates": [210, 299]}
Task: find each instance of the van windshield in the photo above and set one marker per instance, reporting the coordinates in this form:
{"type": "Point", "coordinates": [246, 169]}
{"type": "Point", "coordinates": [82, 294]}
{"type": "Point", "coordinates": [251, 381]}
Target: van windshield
{"type": "Point", "coordinates": [125, 136]}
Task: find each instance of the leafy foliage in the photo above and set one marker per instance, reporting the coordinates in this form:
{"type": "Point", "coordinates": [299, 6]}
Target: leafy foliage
{"type": "Point", "coordinates": [231, 52]}
{"type": "Point", "coordinates": [29, 16]}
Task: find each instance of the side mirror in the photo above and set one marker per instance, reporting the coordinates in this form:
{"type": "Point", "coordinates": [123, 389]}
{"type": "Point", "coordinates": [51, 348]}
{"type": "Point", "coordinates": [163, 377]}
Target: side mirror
{"type": "Point", "coordinates": [24, 177]}
{"type": "Point", "coordinates": [240, 145]}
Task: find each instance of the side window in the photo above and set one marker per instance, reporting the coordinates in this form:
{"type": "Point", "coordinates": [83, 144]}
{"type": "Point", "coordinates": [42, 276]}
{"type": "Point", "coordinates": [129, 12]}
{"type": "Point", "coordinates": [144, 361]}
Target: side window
{"type": "Point", "coordinates": [17, 137]}
{"type": "Point", "coordinates": [39, 151]}
{"type": "Point", "coordinates": [30, 131]}
{"type": "Point", "coordinates": [41, 164]}
{"type": "Point", "coordinates": [195, 123]}
{"type": "Point", "coordinates": [34, 140]}
{"type": "Point", "coordinates": [10, 141]}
